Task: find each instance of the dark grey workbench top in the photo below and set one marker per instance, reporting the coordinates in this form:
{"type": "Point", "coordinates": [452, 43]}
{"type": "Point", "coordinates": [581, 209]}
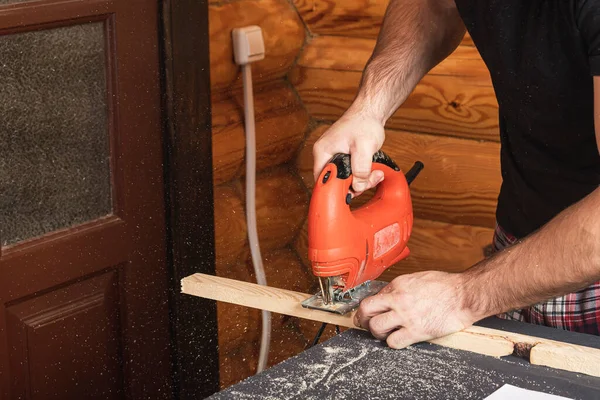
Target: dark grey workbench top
{"type": "Point", "coordinates": [353, 365]}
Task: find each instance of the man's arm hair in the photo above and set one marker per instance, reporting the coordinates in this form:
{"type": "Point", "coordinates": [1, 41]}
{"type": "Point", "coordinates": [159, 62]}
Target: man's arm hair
{"type": "Point", "coordinates": [561, 257]}
{"type": "Point", "coordinates": [415, 36]}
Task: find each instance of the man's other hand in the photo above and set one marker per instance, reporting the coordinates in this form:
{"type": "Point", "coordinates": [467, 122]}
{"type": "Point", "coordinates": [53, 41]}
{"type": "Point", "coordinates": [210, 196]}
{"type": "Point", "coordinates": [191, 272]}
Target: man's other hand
{"type": "Point", "coordinates": [356, 134]}
{"type": "Point", "coordinates": [415, 308]}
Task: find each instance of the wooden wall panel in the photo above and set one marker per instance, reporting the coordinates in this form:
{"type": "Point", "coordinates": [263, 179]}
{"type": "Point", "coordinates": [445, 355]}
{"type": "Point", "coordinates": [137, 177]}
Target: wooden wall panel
{"type": "Point", "coordinates": [444, 247]}
{"type": "Point", "coordinates": [460, 181]}
{"type": "Point", "coordinates": [240, 327]}
{"type": "Point", "coordinates": [351, 18]}
{"type": "Point", "coordinates": [448, 105]}
{"type": "Point", "coordinates": [283, 33]}
{"type": "Point", "coordinates": [281, 207]}
{"type": "Point", "coordinates": [281, 198]}
{"type": "Point", "coordinates": [281, 122]}
{"type": "Point", "coordinates": [352, 54]}
{"type": "Point", "coordinates": [230, 226]}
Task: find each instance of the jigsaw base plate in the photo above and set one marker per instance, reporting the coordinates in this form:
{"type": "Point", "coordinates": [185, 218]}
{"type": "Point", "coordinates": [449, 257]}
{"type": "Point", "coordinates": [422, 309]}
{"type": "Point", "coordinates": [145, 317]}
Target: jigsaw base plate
{"type": "Point", "coordinates": [344, 306]}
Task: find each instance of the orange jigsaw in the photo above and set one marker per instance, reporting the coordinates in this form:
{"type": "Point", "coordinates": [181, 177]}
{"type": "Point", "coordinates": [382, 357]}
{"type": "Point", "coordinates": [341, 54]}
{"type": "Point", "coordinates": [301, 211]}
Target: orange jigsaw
{"type": "Point", "coordinates": [350, 249]}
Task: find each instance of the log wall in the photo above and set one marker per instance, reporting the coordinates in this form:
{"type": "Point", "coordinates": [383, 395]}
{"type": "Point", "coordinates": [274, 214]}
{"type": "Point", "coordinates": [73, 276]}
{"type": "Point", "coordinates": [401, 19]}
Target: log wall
{"type": "Point", "coordinates": [282, 123]}
{"type": "Point", "coordinates": [315, 53]}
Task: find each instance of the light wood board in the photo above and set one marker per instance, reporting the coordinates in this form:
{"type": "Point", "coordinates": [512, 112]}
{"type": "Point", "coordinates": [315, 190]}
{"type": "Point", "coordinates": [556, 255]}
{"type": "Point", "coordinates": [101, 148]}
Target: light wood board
{"type": "Point", "coordinates": [490, 342]}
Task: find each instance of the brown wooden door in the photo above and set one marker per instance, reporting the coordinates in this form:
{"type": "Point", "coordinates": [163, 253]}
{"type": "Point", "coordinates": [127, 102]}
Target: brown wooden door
{"type": "Point", "coordinates": [83, 277]}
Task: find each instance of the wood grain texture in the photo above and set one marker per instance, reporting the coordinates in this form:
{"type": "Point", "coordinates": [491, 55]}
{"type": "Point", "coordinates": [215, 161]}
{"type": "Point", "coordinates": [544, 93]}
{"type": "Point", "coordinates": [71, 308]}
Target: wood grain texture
{"type": "Point", "coordinates": [230, 227]}
{"type": "Point", "coordinates": [352, 54]}
{"type": "Point", "coordinates": [289, 302]}
{"type": "Point", "coordinates": [440, 104]}
{"type": "Point", "coordinates": [433, 245]}
{"type": "Point", "coordinates": [283, 269]}
{"type": "Point", "coordinates": [281, 122]}
{"type": "Point", "coordinates": [240, 327]}
{"type": "Point", "coordinates": [460, 181]}
{"type": "Point", "coordinates": [566, 356]}
{"type": "Point", "coordinates": [443, 247]}
{"type": "Point", "coordinates": [357, 18]}
{"type": "Point", "coordinates": [551, 353]}
{"type": "Point", "coordinates": [275, 300]}
{"type": "Point", "coordinates": [283, 34]}
{"type": "Point", "coordinates": [281, 207]}
{"type": "Point", "coordinates": [486, 341]}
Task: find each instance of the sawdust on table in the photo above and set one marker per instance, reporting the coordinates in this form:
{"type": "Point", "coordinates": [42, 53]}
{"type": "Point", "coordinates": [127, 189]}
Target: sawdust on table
{"type": "Point", "coordinates": [367, 372]}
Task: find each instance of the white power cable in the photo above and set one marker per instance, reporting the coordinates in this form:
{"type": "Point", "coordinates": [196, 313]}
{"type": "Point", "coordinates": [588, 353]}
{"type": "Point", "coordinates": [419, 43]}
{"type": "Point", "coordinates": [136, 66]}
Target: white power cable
{"type": "Point", "coordinates": [248, 46]}
{"type": "Point", "coordinates": [251, 210]}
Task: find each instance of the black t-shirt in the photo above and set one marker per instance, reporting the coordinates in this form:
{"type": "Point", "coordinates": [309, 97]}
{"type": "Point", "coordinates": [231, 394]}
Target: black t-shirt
{"type": "Point", "coordinates": [542, 55]}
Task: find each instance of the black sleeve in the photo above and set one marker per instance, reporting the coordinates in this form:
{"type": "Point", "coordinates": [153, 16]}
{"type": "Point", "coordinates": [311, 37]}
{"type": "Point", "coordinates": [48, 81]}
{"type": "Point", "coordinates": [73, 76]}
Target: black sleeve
{"type": "Point", "coordinates": [588, 21]}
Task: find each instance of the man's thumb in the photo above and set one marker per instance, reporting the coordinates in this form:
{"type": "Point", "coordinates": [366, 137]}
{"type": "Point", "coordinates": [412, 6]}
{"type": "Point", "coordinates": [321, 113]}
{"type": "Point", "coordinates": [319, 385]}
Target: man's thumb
{"type": "Point", "coordinates": [361, 162]}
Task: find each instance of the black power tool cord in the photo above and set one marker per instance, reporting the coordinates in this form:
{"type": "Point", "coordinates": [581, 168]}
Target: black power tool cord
{"type": "Point", "coordinates": [320, 332]}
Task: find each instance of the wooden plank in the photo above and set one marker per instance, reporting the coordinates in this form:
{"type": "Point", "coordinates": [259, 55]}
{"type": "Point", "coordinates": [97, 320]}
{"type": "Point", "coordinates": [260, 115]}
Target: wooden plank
{"type": "Point", "coordinates": [352, 54]}
{"type": "Point", "coordinates": [283, 34]}
{"type": "Point", "coordinates": [238, 324]}
{"type": "Point", "coordinates": [357, 18]}
{"type": "Point", "coordinates": [281, 122]}
{"type": "Point", "coordinates": [446, 105]}
{"type": "Point", "coordinates": [460, 181]}
{"type": "Point", "coordinates": [486, 341]}
{"type": "Point", "coordinates": [433, 245]}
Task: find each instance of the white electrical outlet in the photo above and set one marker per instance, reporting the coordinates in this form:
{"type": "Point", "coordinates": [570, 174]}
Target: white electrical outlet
{"type": "Point", "coordinates": [248, 44]}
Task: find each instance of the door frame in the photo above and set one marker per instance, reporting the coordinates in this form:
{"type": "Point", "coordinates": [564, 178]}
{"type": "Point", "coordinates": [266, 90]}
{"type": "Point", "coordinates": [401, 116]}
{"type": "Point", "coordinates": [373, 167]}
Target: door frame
{"type": "Point", "coordinates": [185, 74]}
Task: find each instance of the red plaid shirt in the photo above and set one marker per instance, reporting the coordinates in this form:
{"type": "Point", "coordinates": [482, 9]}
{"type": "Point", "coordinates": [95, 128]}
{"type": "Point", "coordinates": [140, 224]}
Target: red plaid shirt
{"type": "Point", "coordinates": [579, 311]}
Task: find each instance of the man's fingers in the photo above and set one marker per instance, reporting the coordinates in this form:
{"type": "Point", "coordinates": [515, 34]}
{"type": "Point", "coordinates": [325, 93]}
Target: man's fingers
{"type": "Point", "coordinates": [401, 338]}
{"type": "Point", "coordinates": [370, 307]}
{"type": "Point", "coordinates": [375, 178]}
{"type": "Point", "coordinates": [361, 161]}
{"type": "Point", "coordinates": [382, 325]}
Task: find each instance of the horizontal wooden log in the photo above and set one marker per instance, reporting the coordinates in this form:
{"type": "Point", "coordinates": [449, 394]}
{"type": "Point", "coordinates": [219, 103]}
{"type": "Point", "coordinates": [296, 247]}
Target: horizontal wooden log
{"type": "Point", "coordinates": [445, 105]}
{"type": "Point", "coordinates": [281, 122]}
{"type": "Point", "coordinates": [238, 324]}
{"type": "Point", "coordinates": [230, 227]}
{"type": "Point", "coordinates": [241, 362]}
{"type": "Point", "coordinates": [441, 246]}
{"type": "Point", "coordinates": [486, 341]}
{"type": "Point", "coordinates": [283, 34]}
{"type": "Point", "coordinates": [352, 54]}
{"type": "Point", "coordinates": [460, 181]}
{"type": "Point", "coordinates": [433, 246]}
{"type": "Point", "coordinates": [281, 207]}
{"type": "Point", "coordinates": [238, 364]}
{"type": "Point", "coordinates": [356, 18]}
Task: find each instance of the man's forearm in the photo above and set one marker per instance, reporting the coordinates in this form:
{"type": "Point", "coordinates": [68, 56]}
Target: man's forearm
{"type": "Point", "coordinates": [415, 36]}
{"type": "Point", "coordinates": [560, 258]}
